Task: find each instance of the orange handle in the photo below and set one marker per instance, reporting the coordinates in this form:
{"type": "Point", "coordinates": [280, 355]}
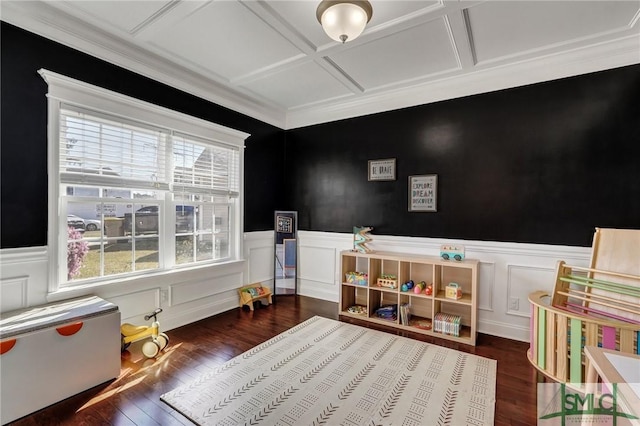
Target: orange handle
{"type": "Point", "coordinates": [69, 330]}
{"type": "Point", "coordinates": [7, 345]}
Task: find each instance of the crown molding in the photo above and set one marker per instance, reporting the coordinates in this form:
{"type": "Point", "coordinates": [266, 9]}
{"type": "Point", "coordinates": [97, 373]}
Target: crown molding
{"type": "Point", "coordinates": [46, 21]}
{"type": "Point", "coordinates": [607, 55]}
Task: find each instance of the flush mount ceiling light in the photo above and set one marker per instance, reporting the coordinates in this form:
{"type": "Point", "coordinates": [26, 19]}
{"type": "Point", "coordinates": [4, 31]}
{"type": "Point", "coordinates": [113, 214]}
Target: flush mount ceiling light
{"type": "Point", "coordinates": [344, 20]}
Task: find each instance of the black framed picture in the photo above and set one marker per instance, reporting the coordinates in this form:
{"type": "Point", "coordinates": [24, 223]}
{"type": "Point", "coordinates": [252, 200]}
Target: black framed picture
{"type": "Point", "coordinates": [382, 169]}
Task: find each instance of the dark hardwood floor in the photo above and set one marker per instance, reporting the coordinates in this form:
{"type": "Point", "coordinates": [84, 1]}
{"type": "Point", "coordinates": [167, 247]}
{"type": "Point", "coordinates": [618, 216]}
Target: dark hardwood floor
{"type": "Point", "coordinates": [194, 349]}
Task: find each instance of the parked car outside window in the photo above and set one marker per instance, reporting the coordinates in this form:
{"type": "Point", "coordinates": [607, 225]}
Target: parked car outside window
{"type": "Point", "coordinates": [76, 222]}
{"type": "Point", "coordinates": [147, 219]}
{"type": "Point", "coordinates": [92, 224]}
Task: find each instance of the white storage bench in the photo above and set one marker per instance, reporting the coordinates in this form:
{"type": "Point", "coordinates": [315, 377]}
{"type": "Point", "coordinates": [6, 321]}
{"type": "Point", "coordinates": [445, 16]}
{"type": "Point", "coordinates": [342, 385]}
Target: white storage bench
{"type": "Point", "coordinates": [54, 351]}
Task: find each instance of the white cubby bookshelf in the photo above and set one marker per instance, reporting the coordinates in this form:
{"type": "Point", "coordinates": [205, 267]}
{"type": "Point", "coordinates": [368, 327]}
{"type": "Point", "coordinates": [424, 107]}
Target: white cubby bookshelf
{"type": "Point", "coordinates": [432, 270]}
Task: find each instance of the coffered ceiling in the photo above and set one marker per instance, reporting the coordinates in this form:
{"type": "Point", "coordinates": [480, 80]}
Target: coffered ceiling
{"type": "Point", "coordinates": [271, 59]}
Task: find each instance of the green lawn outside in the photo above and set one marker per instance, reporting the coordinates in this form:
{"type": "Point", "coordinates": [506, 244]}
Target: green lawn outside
{"type": "Point", "coordinates": [118, 257]}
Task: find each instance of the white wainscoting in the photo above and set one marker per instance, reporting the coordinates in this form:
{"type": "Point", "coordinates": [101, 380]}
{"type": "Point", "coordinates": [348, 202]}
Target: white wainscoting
{"type": "Point", "coordinates": [185, 295]}
{"type": "Point", "coordinates": [14, 293]}
{"type": "Point", "coordinates": [259, 252]}
{"type": "Point", "coordinates": [23, 277]}
{"type": "Point", "coordinates": [508, 273]}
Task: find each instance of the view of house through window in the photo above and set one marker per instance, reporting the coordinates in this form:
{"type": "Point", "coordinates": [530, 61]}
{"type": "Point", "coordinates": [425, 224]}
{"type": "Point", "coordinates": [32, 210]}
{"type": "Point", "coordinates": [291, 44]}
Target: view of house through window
{"type": "Point", "coordinates": [140, 198]}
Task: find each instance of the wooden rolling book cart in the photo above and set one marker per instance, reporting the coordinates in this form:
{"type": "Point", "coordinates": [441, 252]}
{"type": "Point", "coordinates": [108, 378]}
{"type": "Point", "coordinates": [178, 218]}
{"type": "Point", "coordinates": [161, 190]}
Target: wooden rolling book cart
{"type": "Point", "coordinates": [366, 287]}
{"type": "Point", "coordinates": [598, 306]}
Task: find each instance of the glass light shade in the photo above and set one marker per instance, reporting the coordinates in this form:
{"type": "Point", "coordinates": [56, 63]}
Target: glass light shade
{"type": "Point", "coordinates": [344, 21]}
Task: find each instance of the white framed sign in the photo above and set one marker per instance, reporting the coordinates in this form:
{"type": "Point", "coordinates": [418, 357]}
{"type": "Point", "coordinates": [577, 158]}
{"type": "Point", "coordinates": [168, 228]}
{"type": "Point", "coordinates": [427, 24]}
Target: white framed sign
{"type": "Point", "coordinates": [423, 193]}
{"type": "Point", "coordinates": [382, 169]}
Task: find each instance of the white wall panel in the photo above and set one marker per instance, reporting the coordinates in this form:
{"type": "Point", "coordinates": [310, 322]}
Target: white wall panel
{"type": "Point", "coordinates": [522, 280]}
{"type": "Point", "coordinates": [260, 268]}
{"type": "Point", "coordinates": [196, 289]}
{"type": "Point", "coordinates": [24, 277]}
{"type": "Point", "coordinates": [134, 306]}
{"type": "Point", "coordinates": [259, 255]}
{"type": "Point", "coordinates": [487, 276]}
{"type": "Point", "coordinates": [14, 293]}
{"type": "Point", "coordinates": [316, 273]}
{"type": "Point", "coordinates": [317, 264]}
{"type": "Point", "coordinates": [199, 309]}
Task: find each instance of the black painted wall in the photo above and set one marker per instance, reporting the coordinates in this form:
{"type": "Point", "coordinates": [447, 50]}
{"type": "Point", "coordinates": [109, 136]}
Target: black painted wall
{"type": "Point", "coordinates": [545, 163]}
{"type": "Point", "coordinates": [23, 149]}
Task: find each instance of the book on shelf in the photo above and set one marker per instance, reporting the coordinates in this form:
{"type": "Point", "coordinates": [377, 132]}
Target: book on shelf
{"type": "Point", "coordinates": [405, 314]}
{"type": "Point", "coordinates": [447, 324]}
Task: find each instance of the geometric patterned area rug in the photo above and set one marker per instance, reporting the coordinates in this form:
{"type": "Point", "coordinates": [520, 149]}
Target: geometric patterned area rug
{"type": "Point", "coordinates": [326, 372]}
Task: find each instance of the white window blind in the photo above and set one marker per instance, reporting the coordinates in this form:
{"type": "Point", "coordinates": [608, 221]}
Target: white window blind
{"type": "Point", "coordinates": [100, 150]}
{"type": "Point", "coordinates": [116, 158]}
{"type": "Point", "coordinates": [200, 167]}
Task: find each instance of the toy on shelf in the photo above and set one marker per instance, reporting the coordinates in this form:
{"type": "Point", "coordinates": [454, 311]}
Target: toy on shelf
{"type": "Point", "coordinates": [428, 290]}
{"type": "Point", "coordinates": [388, 312]}
{"type": "Point", "coordinates": [361, 237]}
{"type": "Point", "coordinates": [357, 278]}
{"type": "Point", "coordinates": [419, 288]}
{"type": "Point", "coordinates": [455, 252]}
{"type": "Point", "coordinates": [422, 324]}
{"type": "Point", "coordinates": [407, 286]}
{"type": "Point", "coordinates": [357, 309]}
{"type": "Point", "coordinates": [253, 293]}
{"type": "Point", "coordinates": [132, 333]}
{"type": "Point", "coordinates": [453, 291]}
{"type": "Point", "coordinates": [388, 281]}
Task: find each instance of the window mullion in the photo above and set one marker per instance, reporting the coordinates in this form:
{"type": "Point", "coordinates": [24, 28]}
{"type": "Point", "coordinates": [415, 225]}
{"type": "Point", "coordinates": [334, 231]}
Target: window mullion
{"type": "Point", "coordinates": [167, 236]}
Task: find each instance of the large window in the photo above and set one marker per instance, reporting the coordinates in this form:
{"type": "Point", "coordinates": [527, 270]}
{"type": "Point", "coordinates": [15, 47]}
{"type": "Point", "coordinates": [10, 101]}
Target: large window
{"type": "Point", "coordinates": [139, 189]}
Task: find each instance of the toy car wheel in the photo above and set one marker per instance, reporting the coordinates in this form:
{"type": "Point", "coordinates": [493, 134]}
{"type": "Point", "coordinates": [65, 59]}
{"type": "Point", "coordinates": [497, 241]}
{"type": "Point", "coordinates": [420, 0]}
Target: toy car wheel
{"type": "Point", "coordinates": [163, 340]}
{"type": "Point", "coordinates": [150, 349]}
{"type": "Point", "coordinates": [445, 256]}
{"type": "Point", "coordinates": [123, 344]}
{"type": "Point", "coordinates": [457, 257]}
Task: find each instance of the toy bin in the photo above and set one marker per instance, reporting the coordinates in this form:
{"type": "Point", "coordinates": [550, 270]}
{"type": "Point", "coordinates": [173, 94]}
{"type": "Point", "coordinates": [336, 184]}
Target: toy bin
{"type": "Point", "coordinates": [51, 352]}
{"type": "Point", "coordinates": [357, 278]}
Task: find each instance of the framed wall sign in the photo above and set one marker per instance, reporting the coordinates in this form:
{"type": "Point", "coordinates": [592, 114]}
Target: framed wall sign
{"type": "Point", "coordinates": [423, 193]}
{"type": "Point", "coordinates": [382, 169]}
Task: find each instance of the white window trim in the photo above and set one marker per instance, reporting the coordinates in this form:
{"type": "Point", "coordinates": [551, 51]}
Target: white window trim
{"type": "Point", "coordinates": [62, 89]}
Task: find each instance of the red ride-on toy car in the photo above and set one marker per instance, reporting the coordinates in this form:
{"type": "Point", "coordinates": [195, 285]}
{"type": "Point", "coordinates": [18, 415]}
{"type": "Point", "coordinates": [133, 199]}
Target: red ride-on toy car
{"type": "Point", "coordinates": [132, 333]}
